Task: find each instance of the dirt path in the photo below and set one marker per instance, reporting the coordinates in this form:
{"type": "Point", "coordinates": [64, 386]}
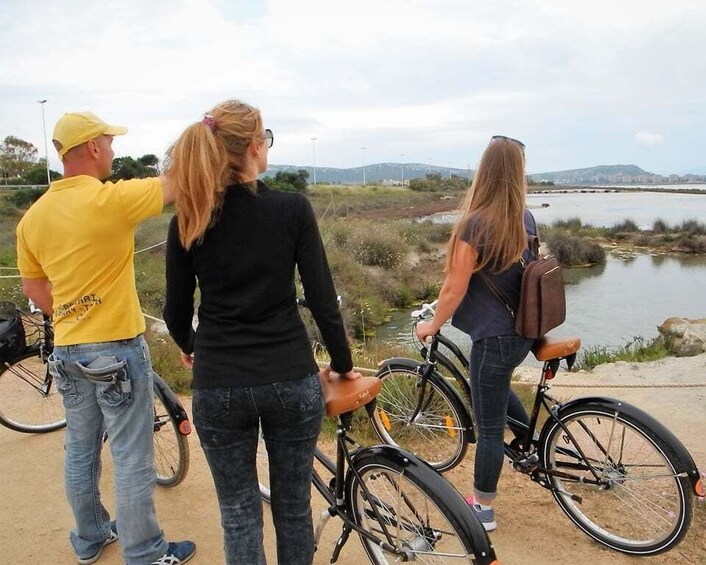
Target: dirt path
{"type": "Point", "coordinates": [34, 517]}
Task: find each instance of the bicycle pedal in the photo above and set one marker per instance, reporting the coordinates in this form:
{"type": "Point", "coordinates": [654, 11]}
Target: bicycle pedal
{"type": "Point", "coordinates": [526, 464]}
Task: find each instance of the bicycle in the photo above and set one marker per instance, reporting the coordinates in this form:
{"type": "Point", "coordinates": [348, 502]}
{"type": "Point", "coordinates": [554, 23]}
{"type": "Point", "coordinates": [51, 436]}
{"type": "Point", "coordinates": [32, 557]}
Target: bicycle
{"type": "Point", "coordinates": [30, 403]}
{"type": "Point", "coordinates": [399, 506]}
{"type": "Point", "coordinates": [620, 476]}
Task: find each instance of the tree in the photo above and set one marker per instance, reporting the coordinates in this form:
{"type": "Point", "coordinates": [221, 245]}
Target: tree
{"type": "Point", "coordinates": [126, 168]}
{"type": "Point", "coordinates": [17, 156]}
{"type": "Point", "coordinates": [289, 182]}
{"type": "Point", "coordinates": [38, 174]}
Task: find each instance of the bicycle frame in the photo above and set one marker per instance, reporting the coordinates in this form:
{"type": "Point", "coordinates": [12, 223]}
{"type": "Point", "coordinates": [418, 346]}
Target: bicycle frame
{"type": "Point", "coordinates": [334, 491]}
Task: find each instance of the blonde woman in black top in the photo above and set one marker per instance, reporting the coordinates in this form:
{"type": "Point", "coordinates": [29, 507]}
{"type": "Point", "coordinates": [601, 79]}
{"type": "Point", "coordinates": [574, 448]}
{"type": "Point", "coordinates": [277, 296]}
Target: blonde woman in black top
{"type": "Point", "coordinates": [240, 242]}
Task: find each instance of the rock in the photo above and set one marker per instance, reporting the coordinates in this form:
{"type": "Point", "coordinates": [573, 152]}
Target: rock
{"type": "Point", "coordinates": [684, 337]}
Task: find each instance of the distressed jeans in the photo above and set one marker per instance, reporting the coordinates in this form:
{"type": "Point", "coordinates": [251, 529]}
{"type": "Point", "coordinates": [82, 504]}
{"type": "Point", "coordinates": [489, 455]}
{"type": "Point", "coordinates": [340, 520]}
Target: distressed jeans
{"type": "Point", "coordinates": [108, 387]}
{"type": "Point", "coordinates": [493, 359]}
{"type": "Point", "coordinates": [227, 421]}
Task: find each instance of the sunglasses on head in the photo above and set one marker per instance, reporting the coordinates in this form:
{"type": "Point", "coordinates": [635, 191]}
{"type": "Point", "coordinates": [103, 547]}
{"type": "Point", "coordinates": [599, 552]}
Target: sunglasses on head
{"type": "Point", "coordinates": [504, 137]}
{"type": "Point", "coordinates": [269, 137]}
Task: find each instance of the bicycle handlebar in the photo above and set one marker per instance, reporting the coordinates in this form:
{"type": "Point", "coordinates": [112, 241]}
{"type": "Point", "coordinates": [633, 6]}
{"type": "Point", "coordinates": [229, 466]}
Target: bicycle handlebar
{"type": "Point", "coordinates": [426, 311]}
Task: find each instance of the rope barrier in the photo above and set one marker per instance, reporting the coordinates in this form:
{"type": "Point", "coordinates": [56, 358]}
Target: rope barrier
{"type": "Point", "coordinates": [606, 385]}
{"type": "Point", "coordinates": [150, 247]}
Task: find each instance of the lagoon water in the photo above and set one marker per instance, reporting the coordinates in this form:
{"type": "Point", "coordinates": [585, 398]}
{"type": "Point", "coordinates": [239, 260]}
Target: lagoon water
{"type": "Point", "coordinates": [605, 209]}
{"type": "Point", "coordinates": [609, 305]}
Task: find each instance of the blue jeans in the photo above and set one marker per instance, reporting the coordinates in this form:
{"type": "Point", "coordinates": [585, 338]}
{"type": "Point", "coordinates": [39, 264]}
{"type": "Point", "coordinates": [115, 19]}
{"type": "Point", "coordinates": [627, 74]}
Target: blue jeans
{"type": "Point", "coordinates": [227, 421]}
{"type": "Point", "coordinates": [492, 362]}
{"type": "Point", "coordinates": [108, 386]}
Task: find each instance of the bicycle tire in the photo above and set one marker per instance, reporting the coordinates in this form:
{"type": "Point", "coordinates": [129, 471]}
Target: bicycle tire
{"type": "Point", "coordinates": [426, 517]}
{"type": "Point", "coordinates": [29, 401]}
{"type": "Point", "coordinates": [171, 448]}
{"type": "Point", "coordinates": [641, 506]}
{"type": "Point", "coordinates": [439, 434]}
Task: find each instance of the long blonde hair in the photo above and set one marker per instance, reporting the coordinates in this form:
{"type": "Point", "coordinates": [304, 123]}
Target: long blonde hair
{"type": "Point", "coordinates": [208, 156]}
{"type": "Point", "coordinates": [493, 209]}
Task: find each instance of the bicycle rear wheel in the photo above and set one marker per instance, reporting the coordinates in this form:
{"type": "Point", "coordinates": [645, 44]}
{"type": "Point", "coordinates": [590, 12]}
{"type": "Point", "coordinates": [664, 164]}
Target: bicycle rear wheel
{"type": "Point", "coordinates": [638, 504]}
{"type": "Point", "coordinates": [439, 432]}
{"type": "Point", "coordinates": [29, 400]}
{"type": "Point", "coordinates": [171, 449]}
{"type": "Point", "coordinates": [426, 518]}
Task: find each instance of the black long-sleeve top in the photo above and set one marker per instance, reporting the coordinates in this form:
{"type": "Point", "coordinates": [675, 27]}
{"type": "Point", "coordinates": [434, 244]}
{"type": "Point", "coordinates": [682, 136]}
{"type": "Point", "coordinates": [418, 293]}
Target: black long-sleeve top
{"type": "Point", "coordinates": [249, 330]}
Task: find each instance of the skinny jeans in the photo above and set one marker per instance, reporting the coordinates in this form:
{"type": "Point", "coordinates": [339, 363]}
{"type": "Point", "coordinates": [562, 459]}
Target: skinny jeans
{"type": "Point", "coordinates": [492, 361]}
{"type": "Point", "coordinates": [228, 423]}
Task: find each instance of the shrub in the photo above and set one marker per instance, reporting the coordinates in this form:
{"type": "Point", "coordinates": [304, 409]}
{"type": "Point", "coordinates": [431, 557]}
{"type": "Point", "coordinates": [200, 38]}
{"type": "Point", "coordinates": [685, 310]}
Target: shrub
{"type": "Point", "coordinates": [572, 224]}
{"type": "Point", "coordinates": [693, 243]}
{"type": "Point", "coordinates": [660, 226]}
{"type": "Point", "coordinates": [25, 197]}
{"type": "Point", "coordinates": [693, 227]}
{"type": "Point", "coordinates": [571, 250]}
{"type": "Point", "coordinates": [626, 226]}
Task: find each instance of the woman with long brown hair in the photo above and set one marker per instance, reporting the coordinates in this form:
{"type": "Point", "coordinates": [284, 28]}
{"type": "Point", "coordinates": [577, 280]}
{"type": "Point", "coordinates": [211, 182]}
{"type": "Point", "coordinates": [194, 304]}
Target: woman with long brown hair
{"type": "Point", "coordinates": [489, 239]}
{"type": "Point", "coordinates": [253, 366]}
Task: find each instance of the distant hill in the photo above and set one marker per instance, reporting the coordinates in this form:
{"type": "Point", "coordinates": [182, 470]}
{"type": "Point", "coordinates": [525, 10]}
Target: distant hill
{"type": "Point", "coordinates": [613, 174]}
{"type": "Point", "coordinates": [388, 173]}
{"type": "Point", "coordinates": [392, 173]}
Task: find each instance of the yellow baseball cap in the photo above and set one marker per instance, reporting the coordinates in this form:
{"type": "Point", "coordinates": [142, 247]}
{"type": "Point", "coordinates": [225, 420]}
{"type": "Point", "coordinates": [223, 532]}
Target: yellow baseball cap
{"type": "Point", "coordinates": [79, 127]}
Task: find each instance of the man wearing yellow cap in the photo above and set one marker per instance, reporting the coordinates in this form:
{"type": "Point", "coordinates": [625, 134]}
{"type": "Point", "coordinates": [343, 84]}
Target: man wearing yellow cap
{"type": "Point", "coordinates": [75, 249]}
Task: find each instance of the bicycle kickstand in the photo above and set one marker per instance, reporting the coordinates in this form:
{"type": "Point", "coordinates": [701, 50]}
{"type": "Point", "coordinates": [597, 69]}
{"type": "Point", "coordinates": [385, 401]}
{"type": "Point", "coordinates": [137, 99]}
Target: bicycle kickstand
{"type": "Point", "coordinates": [340, 543]}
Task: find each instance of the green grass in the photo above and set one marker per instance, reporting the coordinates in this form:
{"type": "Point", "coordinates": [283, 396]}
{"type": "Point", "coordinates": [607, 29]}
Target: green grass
{"type": "Point", "coordinates": [638, 350]}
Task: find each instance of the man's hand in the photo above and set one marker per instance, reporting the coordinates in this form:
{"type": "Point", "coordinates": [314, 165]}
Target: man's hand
{"type": "Point", "coordinates": [39, 292]}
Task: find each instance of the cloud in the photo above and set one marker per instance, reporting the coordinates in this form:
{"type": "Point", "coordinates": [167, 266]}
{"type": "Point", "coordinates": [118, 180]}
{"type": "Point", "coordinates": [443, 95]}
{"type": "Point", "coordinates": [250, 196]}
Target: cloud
{"type": "Point", "coordinates": [644, 139]}
{"type": "Point", "coordinates": [431, 79]}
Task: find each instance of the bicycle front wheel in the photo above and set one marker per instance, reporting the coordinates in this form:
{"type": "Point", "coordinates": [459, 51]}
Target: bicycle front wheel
{"type": "Point", "coordinates": [171, 449]}
{"type": "Point", "coordinates": [616, 479]}
{"type": "Point", "coordinates": [438, 434]}
{"type": "Point", "coordinates": [418, 515]}
{"type": "Point", "coordinates": [29, 400]}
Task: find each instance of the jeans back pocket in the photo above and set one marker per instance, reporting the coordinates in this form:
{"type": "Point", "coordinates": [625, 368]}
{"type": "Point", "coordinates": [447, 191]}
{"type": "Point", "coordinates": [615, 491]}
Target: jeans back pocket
{"type": "Point", "coordinates": [111, 378]}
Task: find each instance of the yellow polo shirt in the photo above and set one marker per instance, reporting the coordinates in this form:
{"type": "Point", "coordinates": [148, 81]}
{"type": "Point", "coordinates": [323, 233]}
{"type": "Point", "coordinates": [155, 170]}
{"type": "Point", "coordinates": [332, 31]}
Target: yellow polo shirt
{"type": "Point", "coordinates": [81, 236]}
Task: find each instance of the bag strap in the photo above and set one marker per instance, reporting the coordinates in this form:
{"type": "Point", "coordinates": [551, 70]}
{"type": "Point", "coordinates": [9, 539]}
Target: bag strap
{"type": "Point", "coordinates": [533, 246]}
{"type": "Point", "coordinates": [495, 291]}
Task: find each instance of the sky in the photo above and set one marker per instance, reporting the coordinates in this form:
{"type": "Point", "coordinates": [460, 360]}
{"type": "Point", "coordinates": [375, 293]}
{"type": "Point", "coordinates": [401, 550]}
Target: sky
{"type": "Point", "coordinates": [406, 81]}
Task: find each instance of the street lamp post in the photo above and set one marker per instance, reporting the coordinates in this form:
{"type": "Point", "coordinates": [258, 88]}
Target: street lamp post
{"type": "Point", "coordinates": [46, 147]}
{"type": "Point", "coordinates": [363, 150]}
{"type": "Point", "coordinates": [313, 153]}
{"type": "Point", "coordinates": [402, 168]}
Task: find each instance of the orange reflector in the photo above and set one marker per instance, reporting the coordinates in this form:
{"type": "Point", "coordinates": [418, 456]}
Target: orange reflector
{"type": "Point", "coordinates": [185, 427]}
{"type": "Point", "coordinates": [699, 487]}
{"type": "Point", "coordinates": [450, 426]}
{"type": "Point", "coordinates": [385, 420]}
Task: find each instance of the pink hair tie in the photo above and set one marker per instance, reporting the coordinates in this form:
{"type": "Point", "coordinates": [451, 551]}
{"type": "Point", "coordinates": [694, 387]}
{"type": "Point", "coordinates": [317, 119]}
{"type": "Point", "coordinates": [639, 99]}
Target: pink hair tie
{"type": "Point", "coordinates": [209, 121]}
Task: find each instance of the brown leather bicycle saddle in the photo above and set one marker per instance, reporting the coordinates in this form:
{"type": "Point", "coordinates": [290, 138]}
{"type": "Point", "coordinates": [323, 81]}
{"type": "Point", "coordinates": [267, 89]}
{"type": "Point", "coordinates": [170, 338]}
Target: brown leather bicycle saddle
{"type": "Point", "coordinates": [343, 395]}
{"type": "Point", "coordinates": [548, 348]}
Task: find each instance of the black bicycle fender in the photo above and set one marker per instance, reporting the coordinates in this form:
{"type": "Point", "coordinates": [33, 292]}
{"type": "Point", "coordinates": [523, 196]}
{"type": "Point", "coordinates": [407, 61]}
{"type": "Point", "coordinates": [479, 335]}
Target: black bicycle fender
{"type": "Point", "coordinates": [397, 363]}
{"type": "Point", "coordinates": [659, 431]}
{"type": "Point", "coordinates": [457, 506]}
{"type": "Point", "coordinates": [411, 365]}
{"type": "Point", "coordinates": [176, 410]}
